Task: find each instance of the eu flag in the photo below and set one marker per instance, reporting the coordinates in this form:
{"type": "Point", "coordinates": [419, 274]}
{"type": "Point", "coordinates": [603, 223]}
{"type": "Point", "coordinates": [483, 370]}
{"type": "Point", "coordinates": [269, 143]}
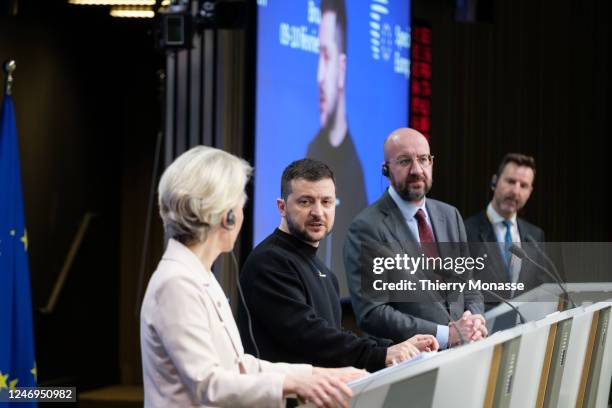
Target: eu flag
{"type": "Point", "coordinates": [17, 365]}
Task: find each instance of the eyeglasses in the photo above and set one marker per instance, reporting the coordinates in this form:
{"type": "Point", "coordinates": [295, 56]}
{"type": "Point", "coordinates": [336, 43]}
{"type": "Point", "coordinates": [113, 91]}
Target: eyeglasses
{"type": "Point", "coordinates": [424, 160]}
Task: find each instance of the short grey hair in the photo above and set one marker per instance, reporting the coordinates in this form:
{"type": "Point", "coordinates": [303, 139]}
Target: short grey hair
{"type": "Point", "coordinates": [197, 189]}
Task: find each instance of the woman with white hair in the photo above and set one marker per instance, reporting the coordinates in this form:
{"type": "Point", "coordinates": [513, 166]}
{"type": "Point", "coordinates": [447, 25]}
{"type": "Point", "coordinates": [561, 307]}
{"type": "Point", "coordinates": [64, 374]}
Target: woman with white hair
{"type": "Point", "coordinates": [192, 355]}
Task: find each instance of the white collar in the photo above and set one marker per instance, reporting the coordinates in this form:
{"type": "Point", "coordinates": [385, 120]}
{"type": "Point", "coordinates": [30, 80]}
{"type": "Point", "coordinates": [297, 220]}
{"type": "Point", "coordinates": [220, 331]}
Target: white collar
{"type": "Point", "coordinates": [495, 218]}
{"type": "Point", "coordinates": [177, 252]}
{"type": "Point", "coordinates": [408, 208]}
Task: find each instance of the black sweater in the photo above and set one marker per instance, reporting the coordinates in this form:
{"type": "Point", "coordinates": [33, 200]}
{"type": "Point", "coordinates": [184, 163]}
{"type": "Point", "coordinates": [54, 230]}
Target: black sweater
{"type": "Point", "coordinates": [295, 309]}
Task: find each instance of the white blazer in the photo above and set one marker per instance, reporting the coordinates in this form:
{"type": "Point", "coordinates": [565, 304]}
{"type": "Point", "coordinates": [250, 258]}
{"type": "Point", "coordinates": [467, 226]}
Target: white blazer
{"type": "Point", "coordinates": [192, 355]}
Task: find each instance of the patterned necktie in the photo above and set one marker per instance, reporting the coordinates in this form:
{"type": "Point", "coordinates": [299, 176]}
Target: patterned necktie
{"type": "Point", "coordinates": [426, 235]}
{"type": "Point", "coordinates": [507, 245]}
{"type": "Point", "coordinates": [430, 249]}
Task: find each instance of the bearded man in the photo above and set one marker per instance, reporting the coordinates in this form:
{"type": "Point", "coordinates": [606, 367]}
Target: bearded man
{"type": "Point", "coordinates": [293, 297]}
{"type": "Point", "coordinates": [405, 218]}
{"type": "Point", "coordinates": [498, 227]}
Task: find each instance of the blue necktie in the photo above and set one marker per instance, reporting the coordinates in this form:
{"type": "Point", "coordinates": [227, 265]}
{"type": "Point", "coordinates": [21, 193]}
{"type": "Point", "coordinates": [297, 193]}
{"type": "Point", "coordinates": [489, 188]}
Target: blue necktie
{"type": "Point", "coordinates": [507, 245]}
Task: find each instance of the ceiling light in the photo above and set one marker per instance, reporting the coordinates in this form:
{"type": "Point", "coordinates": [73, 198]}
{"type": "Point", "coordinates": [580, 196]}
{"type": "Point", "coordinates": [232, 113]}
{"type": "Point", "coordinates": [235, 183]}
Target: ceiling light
{"type": "Point", "coordinates": [132, 12]}
{"type": "Point", "coordinates": [113, 2]}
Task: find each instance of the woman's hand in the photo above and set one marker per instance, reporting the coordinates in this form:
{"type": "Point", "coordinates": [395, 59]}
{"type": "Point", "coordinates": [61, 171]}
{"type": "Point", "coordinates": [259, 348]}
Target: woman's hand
{"type": "Point", "coordinates": [325, 387]}
{"type": "Point", "coordinates": [345, 374]}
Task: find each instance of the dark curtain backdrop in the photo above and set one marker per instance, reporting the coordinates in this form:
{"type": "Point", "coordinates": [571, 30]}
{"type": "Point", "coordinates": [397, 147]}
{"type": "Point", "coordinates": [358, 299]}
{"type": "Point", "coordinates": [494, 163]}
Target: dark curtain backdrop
{"type": "Point", "coordinates": [534, 78]}
{"type": "Point", "coordinates": [87, 111]}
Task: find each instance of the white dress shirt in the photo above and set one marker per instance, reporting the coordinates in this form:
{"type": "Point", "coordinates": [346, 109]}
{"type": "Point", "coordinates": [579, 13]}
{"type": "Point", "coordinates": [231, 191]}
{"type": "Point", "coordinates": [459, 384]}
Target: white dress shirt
{"type": "Point", "coordinates": [409, 209]}
{"type": "Point", "coordinates": [497, 221]}
{"type": "Point", "coordinates": [192, 355]}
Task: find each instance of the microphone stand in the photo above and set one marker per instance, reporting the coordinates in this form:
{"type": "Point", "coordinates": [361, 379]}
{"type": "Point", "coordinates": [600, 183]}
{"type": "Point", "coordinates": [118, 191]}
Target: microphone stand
{"type": "Point", "coordinates": [495, 295]}
{"type": "Point", "coordinates": [531, 240]}
{"type": "Point", "coordinates": [520, 252]}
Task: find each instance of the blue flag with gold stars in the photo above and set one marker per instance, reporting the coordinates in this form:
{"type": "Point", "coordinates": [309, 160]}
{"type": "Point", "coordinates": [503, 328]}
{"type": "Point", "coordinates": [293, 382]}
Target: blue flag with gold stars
{"type": "Point", "coordinates": [17, 365]}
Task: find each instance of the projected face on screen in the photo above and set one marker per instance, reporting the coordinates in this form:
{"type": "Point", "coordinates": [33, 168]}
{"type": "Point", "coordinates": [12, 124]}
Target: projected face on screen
{"type": "Point", "coordinates": [331, 70]}
{"type": "Point", "coordinates": [332, 83]}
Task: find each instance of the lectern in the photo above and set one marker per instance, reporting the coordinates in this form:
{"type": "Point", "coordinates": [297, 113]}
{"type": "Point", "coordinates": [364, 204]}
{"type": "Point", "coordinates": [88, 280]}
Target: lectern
{"type": "Point", "coordinates": [559, 359]}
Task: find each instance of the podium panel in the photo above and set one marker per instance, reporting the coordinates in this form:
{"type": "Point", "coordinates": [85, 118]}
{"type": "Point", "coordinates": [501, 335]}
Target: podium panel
{"type": "Point", "coordinates": [574, 361]}
{"type": "Point", "coordinates": [529, 366]}
{"type": "Point", "coordinates": [597, 367]}
{"type": "Point", "coordinates": [415, 379]}
{"type": "Point", "coordinates": [462, 380]}
{"type": "Point", "coordinates": [419, 390]}
{"type": "Point", "coordinates": [370, 398]}
{"type": "Point", "coordinates": [556, 365]}
{"type": "Point", "coordinates": [603, 390]}
{"type": "Point", "coordinates": [561, 360]}
{"type": "Point", "coordinates": [508, 355]}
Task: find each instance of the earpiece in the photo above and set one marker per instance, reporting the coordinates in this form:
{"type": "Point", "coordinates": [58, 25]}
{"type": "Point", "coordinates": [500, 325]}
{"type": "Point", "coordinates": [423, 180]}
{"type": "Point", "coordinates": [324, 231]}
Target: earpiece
{"type": "Point", "coordinates": [230, 219]}
{"type": "Point", "coordinates": [385, 170]}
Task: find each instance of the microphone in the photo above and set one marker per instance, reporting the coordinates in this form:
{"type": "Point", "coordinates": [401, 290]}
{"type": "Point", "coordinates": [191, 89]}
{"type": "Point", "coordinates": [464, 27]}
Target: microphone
{"type": "Point", "coordinates": [520, 252]}
{"type": "Point", "coordinates": [490, 292]}
{"type": "Point", "coordinates": [532, 240]}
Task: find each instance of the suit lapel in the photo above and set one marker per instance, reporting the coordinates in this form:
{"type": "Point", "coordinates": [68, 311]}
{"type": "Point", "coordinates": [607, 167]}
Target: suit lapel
{"type": "Point", "coordinates": [523, 229]}
{"type": "Point", "coordinates": [233, 336]}
{"type": "Point", "coordinates": [438, 222]}
{"type": "Point", "coordinates": [526, 274]}
{"type": "Point", "coordinates": [440, 231]}
{"type": "Point", "coordinates": [396, 224]}
{"type": "Point", "coordinates": [486, 229]}
{"type": "Point", "coordinates": [487, 235]}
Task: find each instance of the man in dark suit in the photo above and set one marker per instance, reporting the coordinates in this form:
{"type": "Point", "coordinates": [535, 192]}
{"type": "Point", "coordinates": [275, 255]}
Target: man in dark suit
{"type": "Point", "coordinates": [497, 227]}
{"type": "Point", "coordinates": [404, 218]}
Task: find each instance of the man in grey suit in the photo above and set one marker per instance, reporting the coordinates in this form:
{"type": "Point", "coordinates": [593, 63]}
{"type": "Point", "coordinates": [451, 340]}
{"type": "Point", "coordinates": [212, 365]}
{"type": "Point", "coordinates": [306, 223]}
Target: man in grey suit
{"type": "Point", "coordinates": [404, 217]}
{"type": "Point", "coordinates": [495, 229]}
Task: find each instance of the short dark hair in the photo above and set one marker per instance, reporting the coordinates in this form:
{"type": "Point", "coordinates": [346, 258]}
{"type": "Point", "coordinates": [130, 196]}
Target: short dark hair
{"type": "Point", "coordinates": [518, 159]}
{"type": "Point", "coordinates": [339, 9]}
{"type": "Point", "coordinates": [308, 169]}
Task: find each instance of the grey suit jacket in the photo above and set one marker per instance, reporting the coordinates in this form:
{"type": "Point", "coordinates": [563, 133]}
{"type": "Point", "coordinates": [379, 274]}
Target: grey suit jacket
{"type": "Point", "coordinates": [383, 222]}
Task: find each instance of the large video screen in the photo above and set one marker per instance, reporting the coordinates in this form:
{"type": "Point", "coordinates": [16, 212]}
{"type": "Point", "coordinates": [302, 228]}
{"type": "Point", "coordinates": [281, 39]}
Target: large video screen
{"type": "Point", "coordinates": [332, 83]}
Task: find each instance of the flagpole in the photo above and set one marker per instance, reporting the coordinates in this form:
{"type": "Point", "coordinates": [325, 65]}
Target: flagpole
{"type": "Point", "coordinates": [8, 67]}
